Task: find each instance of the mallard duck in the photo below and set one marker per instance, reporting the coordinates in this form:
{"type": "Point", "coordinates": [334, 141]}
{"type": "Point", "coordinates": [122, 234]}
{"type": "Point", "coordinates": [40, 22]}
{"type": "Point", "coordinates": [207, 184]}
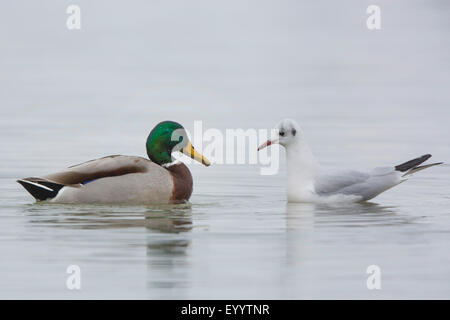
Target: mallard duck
{"type": "Point", "coordinates": [125, 179]}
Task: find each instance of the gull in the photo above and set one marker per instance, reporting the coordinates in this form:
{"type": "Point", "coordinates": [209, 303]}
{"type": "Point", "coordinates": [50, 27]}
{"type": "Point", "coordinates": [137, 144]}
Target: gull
{"type": "Point", "coordinates": [308, 182]}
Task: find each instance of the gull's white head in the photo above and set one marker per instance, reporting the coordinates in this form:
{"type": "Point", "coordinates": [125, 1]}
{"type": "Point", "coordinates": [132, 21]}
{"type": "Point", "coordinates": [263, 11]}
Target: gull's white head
{"type": "Point", "coordinates": [288, 132]}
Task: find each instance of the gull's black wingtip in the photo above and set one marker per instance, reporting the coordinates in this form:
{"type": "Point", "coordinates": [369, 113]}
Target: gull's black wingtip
{"type": "Point", "coordinates": [412, 163]}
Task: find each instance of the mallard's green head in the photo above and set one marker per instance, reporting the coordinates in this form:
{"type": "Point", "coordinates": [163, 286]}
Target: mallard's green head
{"type": "Point", "coordinates": [169, 136]}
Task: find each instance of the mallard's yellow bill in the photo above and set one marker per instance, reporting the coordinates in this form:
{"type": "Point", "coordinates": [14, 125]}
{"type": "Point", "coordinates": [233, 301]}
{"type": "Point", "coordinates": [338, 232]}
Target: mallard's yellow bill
{"type": "Point", "coordinates": [190, 152]}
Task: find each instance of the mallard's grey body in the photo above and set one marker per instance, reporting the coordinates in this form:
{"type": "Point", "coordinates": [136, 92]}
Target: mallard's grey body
{"type": "Point", "coordinates": [114, 179]}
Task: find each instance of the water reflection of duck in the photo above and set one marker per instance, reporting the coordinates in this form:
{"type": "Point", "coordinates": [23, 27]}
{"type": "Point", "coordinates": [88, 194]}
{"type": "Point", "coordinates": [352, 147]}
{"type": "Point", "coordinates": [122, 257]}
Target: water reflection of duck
{"type": "Point", "coordinates": [173, 220]}
{"type": "Point", "coordinates": [162, 218]}
{"type": "Point", "coordinates": [167, 246]}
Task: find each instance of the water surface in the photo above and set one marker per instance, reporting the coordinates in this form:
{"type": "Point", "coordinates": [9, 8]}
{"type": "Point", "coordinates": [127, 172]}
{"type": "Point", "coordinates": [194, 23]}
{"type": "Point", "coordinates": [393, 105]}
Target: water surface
{"type": "Point", "coordinates": [364, 99]}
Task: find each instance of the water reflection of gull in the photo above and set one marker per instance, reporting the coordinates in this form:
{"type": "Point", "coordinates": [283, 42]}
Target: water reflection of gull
{"type": "Point", "coordinates": [300, 216]}
{"type": "Point", "coordinates": [299, 233]}
{"type": "Point", "coordinates": [308, 225]}
{"type": "Point", "coordinates": [307, 216]}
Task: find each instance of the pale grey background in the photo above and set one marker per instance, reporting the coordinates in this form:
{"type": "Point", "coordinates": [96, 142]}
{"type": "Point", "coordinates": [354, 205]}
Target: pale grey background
{"type": "Point", "coordinates": [364, 98]}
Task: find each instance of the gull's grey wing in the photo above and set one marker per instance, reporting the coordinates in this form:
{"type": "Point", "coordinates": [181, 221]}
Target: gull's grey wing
{"type": "Point", "coordinates": [351, 182]}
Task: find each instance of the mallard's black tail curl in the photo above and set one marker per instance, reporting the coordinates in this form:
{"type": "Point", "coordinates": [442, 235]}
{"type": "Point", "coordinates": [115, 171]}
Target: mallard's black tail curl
{"type": "Point", "coordinates": [40, 189]}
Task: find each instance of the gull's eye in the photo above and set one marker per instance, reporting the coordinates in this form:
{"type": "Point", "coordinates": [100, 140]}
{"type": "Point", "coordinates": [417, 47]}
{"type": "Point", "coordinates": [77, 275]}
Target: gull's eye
{"type": "Point", "coordinates": [282, 133]}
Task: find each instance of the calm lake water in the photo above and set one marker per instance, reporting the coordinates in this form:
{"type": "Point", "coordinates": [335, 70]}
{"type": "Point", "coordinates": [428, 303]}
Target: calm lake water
{"type": "Point", "coordinates": [364, 99]}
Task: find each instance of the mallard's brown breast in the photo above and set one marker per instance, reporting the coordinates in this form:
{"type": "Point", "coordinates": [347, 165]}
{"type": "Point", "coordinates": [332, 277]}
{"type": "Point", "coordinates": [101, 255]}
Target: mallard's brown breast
{"type": "Point", "coordinates": [182, 183]}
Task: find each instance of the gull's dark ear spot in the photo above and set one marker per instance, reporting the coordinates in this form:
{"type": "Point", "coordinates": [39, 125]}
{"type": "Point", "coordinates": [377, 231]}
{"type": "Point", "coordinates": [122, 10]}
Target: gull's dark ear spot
{"type": "Point", "coordinates": [294, 132]}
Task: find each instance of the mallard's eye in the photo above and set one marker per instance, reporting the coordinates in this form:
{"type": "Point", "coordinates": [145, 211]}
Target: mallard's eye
{"type": "Point", "coordinates": [282, 133]}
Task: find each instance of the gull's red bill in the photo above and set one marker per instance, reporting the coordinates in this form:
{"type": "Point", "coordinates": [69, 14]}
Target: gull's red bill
{"type": "Point", "coordinates": [265, 144]}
